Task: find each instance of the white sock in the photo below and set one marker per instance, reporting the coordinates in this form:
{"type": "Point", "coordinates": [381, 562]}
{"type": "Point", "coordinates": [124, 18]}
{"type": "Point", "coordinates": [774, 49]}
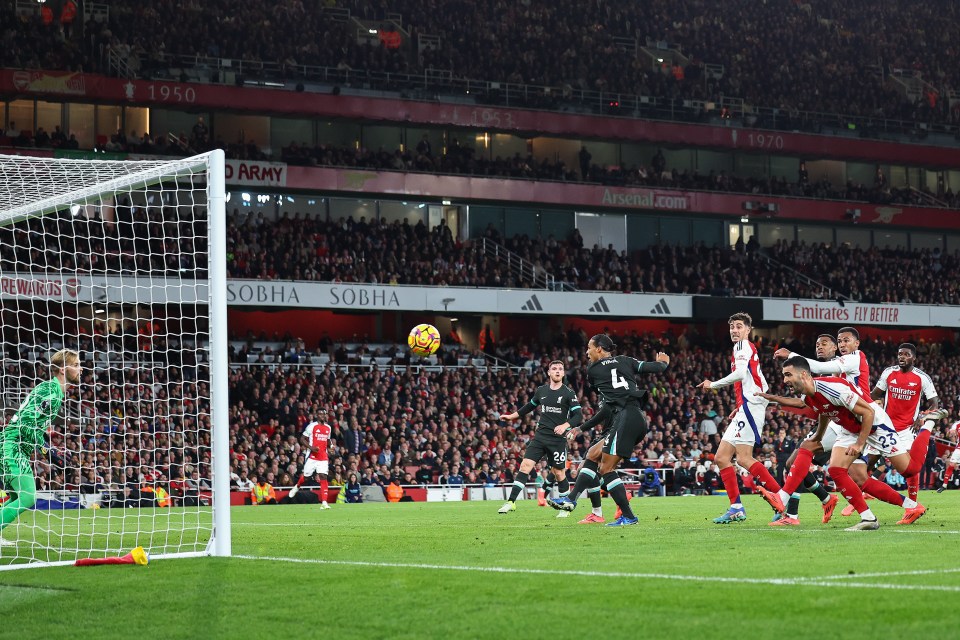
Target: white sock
{"type": "Point", "coordinates": [867, 515]}
{"type": "Point", "coordinates": [784, 497]}
{"type": "Point", "coordinates": [597, 511]}
{"type": "Point", "coordinates": [909, 504]}
{"type": "Point", "coordinates": [929, 425]}
{"type": "Point", "coordinates": [736, 505]}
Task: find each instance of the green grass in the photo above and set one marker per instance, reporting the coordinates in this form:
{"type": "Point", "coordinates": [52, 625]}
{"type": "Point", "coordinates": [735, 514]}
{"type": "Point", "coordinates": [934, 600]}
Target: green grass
{"type": "Point", "coordinates": [674, 575]}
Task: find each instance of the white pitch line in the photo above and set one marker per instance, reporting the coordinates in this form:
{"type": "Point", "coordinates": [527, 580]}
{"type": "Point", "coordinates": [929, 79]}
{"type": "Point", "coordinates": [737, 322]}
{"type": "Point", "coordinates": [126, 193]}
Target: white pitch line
{"type": "Point", "coordinates": [799, 582]}
{"type": "Point", "coordinates": [886, 574]}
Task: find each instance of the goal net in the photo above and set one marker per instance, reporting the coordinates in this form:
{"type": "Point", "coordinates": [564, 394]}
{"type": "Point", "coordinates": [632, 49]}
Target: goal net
{"type": "Point", "coordinates": [124, 263]}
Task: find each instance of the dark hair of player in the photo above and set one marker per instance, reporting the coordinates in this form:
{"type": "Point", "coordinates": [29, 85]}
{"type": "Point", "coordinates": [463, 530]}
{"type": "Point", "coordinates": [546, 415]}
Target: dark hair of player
{"type": "Point", "coordinates": [603, 341]}
{"type": "Point", "coordinates": [910, 346]}
{"type": "Point", "coordinates": [829, 337]}
{"type": "Point", "coordinates": [850, 330]}
{"type": "Point", "coordinates": [743, 316]}
{"type": "Point", "coordinates": [798, 362]}
{"type": "Point", "coordinates": [559, 362]}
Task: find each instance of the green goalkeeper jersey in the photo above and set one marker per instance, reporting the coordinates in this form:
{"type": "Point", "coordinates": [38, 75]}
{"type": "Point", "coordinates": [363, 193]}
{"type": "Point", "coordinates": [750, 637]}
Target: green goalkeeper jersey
{"type": "Point", "coordinates": [27, 430]}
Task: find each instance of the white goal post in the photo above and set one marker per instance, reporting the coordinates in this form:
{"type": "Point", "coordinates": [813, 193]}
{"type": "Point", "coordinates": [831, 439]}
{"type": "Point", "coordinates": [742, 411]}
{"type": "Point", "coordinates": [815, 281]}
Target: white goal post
{"type": "Point", "coordinates": [123, 262]}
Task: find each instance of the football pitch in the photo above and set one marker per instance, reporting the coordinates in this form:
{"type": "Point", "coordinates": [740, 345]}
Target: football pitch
{"type": "Point", "coordinates": [460, 570]}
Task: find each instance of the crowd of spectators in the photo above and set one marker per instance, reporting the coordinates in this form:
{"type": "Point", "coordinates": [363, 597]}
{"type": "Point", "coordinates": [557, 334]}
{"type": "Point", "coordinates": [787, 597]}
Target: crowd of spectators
{"type": "Point", "coordinates": [157, 240]}
{"type": "Point", "coordinates": [134, 428]}
{"type": "Point", "coordinates": [816, 56]}
{"type": "Point", "coordinates": [299, 247]}
{"type": "Point", "coordinates": [461, 159]}
{"type": "Point", "coordinates": [440, 425]}
{"type": "Point", "coordinates": [138, 419]}
{"type": "Point", "coordinates": [160, 239]}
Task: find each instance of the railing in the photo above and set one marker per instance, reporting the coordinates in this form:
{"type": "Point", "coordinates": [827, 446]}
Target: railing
{"type": "Point", "coordinates": [825, 291]}
{"type": "Point", "coordinates": [119, 64]}
{"type": "Point", "coordinates": [497, 366]}
{"type": "Point", "coordinates": [928, 198]}
{"type": "Point", "coordinates": [516, 265]}
{"type": "Point", "coordinates": [538, 96]}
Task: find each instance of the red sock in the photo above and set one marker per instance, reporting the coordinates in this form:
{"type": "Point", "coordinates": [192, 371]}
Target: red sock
{"type": "Point", "coordinates": [798, 471]}
{"type": "Point", "coordinates": [913, 487]}
{"type": "Point", "coordinates": [918, 453]}
{"type": "Point", "coordinates": [300, 481]}
{"type": "Point", "coordinates": [759, 471]}
{"type": "Point", "coordinates": [729, 477]}
{"type": "Point", "coordinates": [882, 491]}
{"type": "Point", "coordinates": [848, 488]}
{"type": "Point", "coordinates": [324, 485]}
{"type": "Point", "coordinates": [947, 474]}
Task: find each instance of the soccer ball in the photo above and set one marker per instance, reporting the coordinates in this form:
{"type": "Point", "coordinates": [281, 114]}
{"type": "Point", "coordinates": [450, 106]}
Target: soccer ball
{"type": "Point", "coordinates": [424, 340]}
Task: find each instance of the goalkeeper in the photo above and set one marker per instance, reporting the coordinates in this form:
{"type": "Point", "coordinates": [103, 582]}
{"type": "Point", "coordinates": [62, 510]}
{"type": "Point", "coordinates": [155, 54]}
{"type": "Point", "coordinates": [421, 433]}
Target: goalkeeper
{"type": "Point", "coordinates": [27, 431]}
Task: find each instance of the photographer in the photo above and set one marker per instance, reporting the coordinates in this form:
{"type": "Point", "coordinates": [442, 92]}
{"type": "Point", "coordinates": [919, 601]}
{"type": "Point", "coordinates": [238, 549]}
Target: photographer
{"type": "Point", "coordinates": [650, 485]}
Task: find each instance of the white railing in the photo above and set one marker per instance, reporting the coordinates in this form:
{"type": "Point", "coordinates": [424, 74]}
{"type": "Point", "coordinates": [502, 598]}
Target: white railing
{"type": "Point", "coordinates": [520, 267]}
{"type": "Point", "coordinates": [825, 291]}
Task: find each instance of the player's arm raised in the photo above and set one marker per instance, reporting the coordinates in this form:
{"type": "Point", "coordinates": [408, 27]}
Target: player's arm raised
{"type": "Point", "coordinates": [659, 365]}
{"type": "Point", "coordinates": [740, 366]}
{"type": "Point", "coordinates": [783, 401]}
{"type": "Point", "coordinates": [839, 366]}
{"type": "Point", "coordinates": [519, 413]}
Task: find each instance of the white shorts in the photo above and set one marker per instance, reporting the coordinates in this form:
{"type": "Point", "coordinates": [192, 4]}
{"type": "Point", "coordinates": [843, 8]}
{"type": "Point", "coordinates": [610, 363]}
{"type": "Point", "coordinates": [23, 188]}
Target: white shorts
{"type": "Point", "coordinates": [829, 435]}
{"type": "Point", "coordinates": [906, 438]}
{"type": "Point", "coordinates": [312, 466]}
{"type": "Point", "coordinates": [955, 456]}
{"type": "Point", "coordinates": [746, 425]}
{"type": "Point", "coordinates": [884, 440]}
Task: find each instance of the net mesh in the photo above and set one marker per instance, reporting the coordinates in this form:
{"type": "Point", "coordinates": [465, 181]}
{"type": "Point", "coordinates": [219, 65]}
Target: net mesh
{"type": "Point", "coordinates": [108, 259]}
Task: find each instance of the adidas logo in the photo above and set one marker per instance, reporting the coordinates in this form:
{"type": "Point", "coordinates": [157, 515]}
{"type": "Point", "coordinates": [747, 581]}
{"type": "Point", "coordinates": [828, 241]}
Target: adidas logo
{"type": "Point", "coordinates": [661, 308]}
{"type": "Point", "coordinates": [600, 306]}
{"type": "Point", "coordinates": [532, 305]}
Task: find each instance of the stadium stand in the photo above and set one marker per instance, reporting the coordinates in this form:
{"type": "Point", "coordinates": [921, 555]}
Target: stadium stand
{"type": "Point", "coordinates": [804, 60]}
{"type": "Point", "coordinates": [301, 248]}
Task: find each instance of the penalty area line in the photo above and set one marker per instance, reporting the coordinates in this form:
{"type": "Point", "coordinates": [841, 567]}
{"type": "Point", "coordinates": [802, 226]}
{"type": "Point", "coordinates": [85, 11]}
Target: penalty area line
{"type": "Point", "coordinates": [797, 582]}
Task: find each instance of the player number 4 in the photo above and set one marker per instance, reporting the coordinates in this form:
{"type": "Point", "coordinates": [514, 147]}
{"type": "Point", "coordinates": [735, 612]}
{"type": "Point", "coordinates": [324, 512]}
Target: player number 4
{"type": "Point", "coordinates": [619, 382]}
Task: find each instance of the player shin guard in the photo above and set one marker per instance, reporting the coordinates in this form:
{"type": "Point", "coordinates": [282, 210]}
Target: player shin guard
{"type": "Point", "coordinates": [793, 505]}
{"type": "Point", "coordinates": [518, 485]}
{"type": "Point", "coordinates": [882, 491]}
{"type": "Point", "coordinates": [848, 488]}
{"type": "Point", "coordinates": [913, 487]}
{"type": "Point", "coordinates": [324, 489]}
{"type": "Point", "coordinates": [618, 492]}
{"type": "Point", "coordinates": [586, 478]}
{"type": "Point", "coordinates": [810, 484]}
{"type": "Point", "coordinates": [799, 471]}
{"type": "Point", "coordinates": [564, 486]}
{"type": "Point", "coordinates": [759, 471]}
{"type": "Point", "coordinates": [594, 494]}
{"type": "Point", "coordinates": [729, 478]}
{"type": "Point", "coordinates": [918, 453]}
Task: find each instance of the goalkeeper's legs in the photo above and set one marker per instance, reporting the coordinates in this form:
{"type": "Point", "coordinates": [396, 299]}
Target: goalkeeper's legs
{"type": "Point", "coordinates": [24, 486]}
